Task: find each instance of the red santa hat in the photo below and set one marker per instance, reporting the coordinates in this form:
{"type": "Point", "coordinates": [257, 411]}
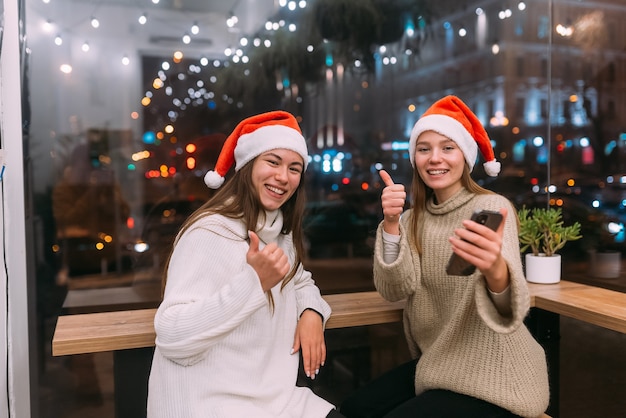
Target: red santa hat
{"type": "Point", "coordinates": [254, 136]}
{"type": "Point", "coordinates": [452, 118]}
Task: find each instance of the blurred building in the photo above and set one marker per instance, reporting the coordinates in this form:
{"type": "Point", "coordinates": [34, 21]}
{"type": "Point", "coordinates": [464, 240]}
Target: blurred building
{"type": "Point", "coordinates": [545, 80]}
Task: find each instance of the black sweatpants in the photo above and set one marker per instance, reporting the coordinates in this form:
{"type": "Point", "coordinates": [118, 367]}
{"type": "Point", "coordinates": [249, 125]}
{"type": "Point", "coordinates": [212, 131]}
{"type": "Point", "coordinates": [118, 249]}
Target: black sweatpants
{"type": "Point", "coordinates": [392, 395]}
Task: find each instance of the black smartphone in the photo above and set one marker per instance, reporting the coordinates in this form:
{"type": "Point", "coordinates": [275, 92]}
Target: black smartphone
{"type": "Point", "coordinates": [456, 265]}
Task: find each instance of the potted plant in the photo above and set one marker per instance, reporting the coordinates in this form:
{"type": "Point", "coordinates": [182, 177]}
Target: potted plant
{"type": "Point", "coordinates": [542, 230]}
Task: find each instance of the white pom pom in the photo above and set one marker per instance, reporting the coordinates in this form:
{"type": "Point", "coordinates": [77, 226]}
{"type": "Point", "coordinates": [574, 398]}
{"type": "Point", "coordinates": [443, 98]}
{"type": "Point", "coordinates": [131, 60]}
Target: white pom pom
{"type": "Point", "coordinates": [492, 168]}
{"type": "Point", "coordinates": [213, 180]}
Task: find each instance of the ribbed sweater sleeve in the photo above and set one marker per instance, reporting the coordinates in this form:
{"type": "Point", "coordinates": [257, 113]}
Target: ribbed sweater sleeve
{"type": "Point", "coordinates": [186, 325]}
{"type": "Point", "coordinates": [520, 297]}
{"type": "Point", "coordinates": [308, 295]}
{"type": "Point", "coordinates": [396, 280]}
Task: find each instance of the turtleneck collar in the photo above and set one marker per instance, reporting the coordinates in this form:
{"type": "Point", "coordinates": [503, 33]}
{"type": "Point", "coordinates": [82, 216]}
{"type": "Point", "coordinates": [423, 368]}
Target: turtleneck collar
{"type": "Point", "coordinates": [458, 199]}
{"type": "Point", "coordinates": [269, 225]}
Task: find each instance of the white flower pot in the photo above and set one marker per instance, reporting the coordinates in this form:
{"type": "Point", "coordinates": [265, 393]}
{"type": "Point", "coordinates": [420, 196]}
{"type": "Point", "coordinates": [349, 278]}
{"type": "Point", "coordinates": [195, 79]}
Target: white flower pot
{"type": "Point", "coordinates": [542, 269]}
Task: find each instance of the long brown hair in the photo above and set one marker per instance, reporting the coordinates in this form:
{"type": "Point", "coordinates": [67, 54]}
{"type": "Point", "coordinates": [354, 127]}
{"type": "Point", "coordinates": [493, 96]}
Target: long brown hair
{"type": "Point", "coordinates": [238, 199]}
{"type": "Point", "coordinates": [421, 193]}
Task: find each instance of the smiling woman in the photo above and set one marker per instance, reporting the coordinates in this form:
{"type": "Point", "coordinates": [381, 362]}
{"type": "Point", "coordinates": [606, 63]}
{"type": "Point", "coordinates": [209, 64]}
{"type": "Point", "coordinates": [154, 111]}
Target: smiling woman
{"type": "Point", "coordinates": [355, 74]}
{"type": "Point", "coordinates": [236, 263]}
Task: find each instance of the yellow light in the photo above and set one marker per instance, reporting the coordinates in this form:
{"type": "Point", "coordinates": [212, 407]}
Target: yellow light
{"type": "Point", "coordinates": [157, 83]}
{"type": "Point", "coordinates": [145, 101]}
{"type": "Point", "coordinates": [411, 108]}
{"type": "Point", "coordinates": [169, 129]}
{"type": "Point", "coordinates": [178, 56]}
{"type": "Point", "coordinates": [191, 163]}
{"type": "Point", "coordinates": [571, 182]}
{"type": "Point", "coordinates": [99, 246]}
{"type": "Point", "coordinates": [190, 148]}
{"type": "Point", "coordinates": [108, 238]}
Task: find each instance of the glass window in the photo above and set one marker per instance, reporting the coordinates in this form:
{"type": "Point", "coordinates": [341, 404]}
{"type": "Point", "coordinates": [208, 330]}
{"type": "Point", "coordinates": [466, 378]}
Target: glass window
{"type": "Point", "coordinates": [129, 105]}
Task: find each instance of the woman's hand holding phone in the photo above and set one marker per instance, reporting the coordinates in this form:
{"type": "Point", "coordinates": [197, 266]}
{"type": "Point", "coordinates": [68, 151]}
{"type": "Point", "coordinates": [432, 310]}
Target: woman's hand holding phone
{"type": "Point", "coordinates": [478, 244]}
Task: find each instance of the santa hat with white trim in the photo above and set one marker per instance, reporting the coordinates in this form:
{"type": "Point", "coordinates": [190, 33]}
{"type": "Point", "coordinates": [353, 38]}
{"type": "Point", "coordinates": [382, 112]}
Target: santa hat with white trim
{"type": "Point", "coordinates": [254, 136]}
{"type": "Point", "coordinates": [452, 118]}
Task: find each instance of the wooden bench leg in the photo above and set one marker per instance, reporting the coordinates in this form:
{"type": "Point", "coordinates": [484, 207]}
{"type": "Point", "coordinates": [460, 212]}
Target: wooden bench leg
{"type": "Point", "coordinates": [545, 327]}
{"type": "Point", "coordinates": [131, 369]}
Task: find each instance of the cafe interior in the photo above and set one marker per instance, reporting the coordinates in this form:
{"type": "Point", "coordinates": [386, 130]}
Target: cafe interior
{"type": "Point", "coordinates": [114, 110]}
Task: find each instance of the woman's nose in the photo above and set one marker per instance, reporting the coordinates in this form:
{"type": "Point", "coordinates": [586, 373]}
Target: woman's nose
{"type": "Point", "coordinates": [281, 173]}
{"type": "Point", "coordinates": [435, 155]}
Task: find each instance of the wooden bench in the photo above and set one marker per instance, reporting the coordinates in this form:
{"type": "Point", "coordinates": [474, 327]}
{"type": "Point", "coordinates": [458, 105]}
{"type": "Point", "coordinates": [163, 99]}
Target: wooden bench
{"type": "Point", "coordinates": [120, 330]}
{"type": "Point", "coordinates": [130, 334]}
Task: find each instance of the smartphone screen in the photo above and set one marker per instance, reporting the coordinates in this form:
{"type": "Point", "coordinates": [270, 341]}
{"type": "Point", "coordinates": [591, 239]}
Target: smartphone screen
{"type": "Point", "coordinates": [456, 265]}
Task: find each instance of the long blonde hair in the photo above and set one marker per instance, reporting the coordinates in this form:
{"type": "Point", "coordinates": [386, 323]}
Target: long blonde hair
{"type": "Point", "coordinates": [421, 193]}
{"type": "Point", "coordinates": [238, 199]}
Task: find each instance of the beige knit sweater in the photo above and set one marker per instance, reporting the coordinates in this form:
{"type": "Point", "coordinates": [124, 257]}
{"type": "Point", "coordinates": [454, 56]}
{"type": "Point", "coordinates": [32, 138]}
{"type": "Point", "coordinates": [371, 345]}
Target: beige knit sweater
{"type": "Point", "coordinates": [465, 345]}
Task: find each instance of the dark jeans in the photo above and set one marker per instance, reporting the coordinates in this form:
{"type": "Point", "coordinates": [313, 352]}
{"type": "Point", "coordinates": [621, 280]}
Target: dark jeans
{"type": "Point", "coordinates": [334, 414]}
{"type": "Point", "coordinates": [392, 395]}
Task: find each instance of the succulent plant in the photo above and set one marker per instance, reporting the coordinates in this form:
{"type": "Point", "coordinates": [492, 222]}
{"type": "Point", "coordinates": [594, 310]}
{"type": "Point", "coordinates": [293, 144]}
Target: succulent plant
{"type": "Point", "coordinates": [542, 230]}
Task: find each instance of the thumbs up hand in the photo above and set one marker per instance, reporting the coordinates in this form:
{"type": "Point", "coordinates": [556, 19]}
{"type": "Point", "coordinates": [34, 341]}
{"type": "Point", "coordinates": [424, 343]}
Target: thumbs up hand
{"type": "Point", "coordinates": [271, 263]}
{"type": "Point", "coordinates": [392, 200]}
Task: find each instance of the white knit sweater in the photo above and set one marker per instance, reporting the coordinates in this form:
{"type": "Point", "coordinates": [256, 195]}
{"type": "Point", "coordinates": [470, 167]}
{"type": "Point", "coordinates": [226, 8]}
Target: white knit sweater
{"type": "Point", "coordinates": [220, 351]}
{"type": "Point", "coordinates": [463, 343]}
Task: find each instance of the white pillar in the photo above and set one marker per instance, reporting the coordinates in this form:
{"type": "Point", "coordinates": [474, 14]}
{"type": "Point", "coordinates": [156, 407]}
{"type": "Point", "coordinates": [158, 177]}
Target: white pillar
{"type": "Point", "coordinates": [14, 347]}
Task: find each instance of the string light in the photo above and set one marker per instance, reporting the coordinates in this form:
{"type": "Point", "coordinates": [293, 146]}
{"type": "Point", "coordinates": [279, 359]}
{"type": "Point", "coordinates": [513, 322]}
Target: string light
{"type": "Point", "coordinates": [85, 46]}
{"type": "Point", "coordinates": [232, 20]}
{"type": "Point", "coordinates": [48, 26]}
{"type": "Point", "coordinates": [143, 19]}
{"type": "Point", "coordinates": [95, 23]}
{"type": "Point", "coordinates": [195, 29]}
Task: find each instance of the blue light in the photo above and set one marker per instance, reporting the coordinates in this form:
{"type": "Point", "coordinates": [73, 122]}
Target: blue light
{"type": "Point", "coordinates": [334, 187]}
{"type": "Point", "coordinates": [149, 137]}
{"type": "Point", "coordinates": [211, 105]}
{"type": "Point", "coordinates": [409, 27]}
{"type": "Point", "coordinates": [329, 60]}
{"type": "Point", "coordinates": [399, 145]}
{"type": "Point", "coordinates": [609, 147]}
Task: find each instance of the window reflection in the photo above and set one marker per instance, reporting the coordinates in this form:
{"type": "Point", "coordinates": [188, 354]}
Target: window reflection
{"type": "Point", "coordinates": [119, 151]}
